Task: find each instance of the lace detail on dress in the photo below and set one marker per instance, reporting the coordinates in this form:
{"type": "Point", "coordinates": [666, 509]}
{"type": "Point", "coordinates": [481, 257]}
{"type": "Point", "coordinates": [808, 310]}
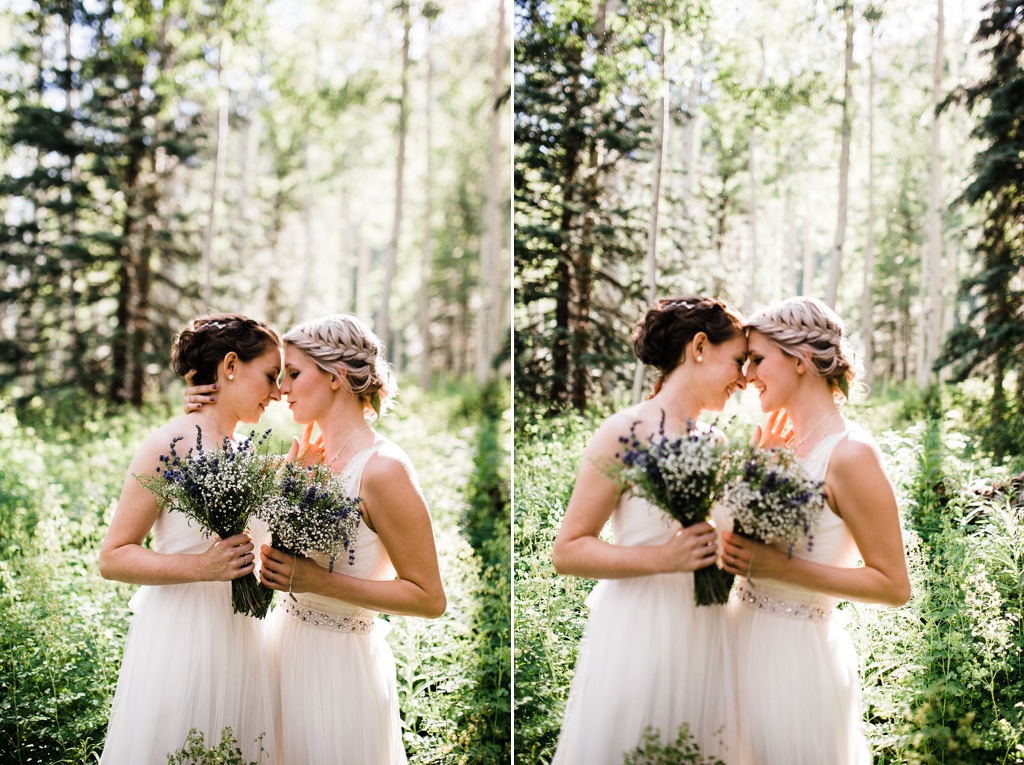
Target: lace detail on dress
{"type": "Point", "coordinates": [773, 605]}
{"type": "Point", "coordinates": [326, 620]}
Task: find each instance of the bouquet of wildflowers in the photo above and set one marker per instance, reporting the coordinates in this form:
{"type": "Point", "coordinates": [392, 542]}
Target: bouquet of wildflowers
{"type": "Point", "coordinates": [772, 499]}
{"type": "Point", "coordinates": [220, 489]}
{"type": "Point", "coordinates": [313, 513]}
{"type": "Point", "coordinates": [683, 477]}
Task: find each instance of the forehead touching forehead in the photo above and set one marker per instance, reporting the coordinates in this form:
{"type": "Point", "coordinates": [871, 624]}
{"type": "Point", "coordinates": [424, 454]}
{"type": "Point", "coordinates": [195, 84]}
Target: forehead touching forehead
{"type": "Point", "coordinates": [293, 357]}
{"type": "Point", "coordinates": [758, 343]}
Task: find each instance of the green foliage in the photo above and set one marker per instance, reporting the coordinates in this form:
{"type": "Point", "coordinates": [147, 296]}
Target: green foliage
{"type": "Point", "coordinates": [549, 610]}
{"type": "Point", "coordinates": [993, 337]}
{"type": "Point", "coordinates": [683, 751]}
{"type": "Point", "coordinates": [196, 752]}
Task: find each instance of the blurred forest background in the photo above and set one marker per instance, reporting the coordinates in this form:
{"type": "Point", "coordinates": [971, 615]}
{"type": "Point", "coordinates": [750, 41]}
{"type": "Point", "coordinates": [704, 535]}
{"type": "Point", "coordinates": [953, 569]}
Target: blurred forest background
{"type": "Point", "coordinates": [870, 154]}
{"type": "Point", "coordinates": [288, 160]}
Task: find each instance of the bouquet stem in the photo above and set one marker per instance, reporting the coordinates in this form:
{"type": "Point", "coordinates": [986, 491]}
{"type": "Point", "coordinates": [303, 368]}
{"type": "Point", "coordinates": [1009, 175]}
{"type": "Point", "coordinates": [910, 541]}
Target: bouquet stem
{"type": "Point", "coordinates": [711, 586]}
{"type": "Point", "coordinates": [250, 597]}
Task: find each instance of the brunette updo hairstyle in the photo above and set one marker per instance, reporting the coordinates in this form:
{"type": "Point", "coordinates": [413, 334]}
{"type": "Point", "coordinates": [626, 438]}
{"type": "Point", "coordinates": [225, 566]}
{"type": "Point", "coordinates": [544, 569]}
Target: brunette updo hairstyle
{"type": "Point", "coordinates": [807, 329]}
{"type": "Point", "coordinates": [344, 346]}
{"type": "Point", "coordinates": [661, 336]}
{"type": "Point", "coordinates": [206, 340]}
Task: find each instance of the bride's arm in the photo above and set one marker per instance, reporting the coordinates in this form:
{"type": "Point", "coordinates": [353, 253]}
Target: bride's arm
{"type": "Point", "coordinates": [123, 556]}
{"type": "Point", "coordinates": [578, 548]}
{"type": "Point", "coordinates": [863, 496]}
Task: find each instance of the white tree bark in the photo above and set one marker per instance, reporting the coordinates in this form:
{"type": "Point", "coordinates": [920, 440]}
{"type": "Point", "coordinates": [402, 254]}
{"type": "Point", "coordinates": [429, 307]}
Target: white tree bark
{"type": "Point", "coordinates": [660, 134]}
{"type": "Point", "coordinates": [931, 258]}
{"type": "Point", "coordinates": [427, 251]}
{"type": "Point", "coordinates": [220, 162]}
{"type": "Point", "coordinates": [383, 323]}
{"type": "Point", "coordinates": [868, 294]}
{"type": "Point", "coordinates": [490, 322]}
{"type": "Point", "coordinates": [836, 261]}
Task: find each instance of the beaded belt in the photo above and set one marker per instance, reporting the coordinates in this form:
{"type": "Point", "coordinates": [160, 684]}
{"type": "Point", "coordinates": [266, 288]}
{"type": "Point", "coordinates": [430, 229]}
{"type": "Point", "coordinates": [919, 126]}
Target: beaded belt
{"type": "Point", "coordinates": [773, 605]}
{"type": "Point", "coordinates": [327, 621]}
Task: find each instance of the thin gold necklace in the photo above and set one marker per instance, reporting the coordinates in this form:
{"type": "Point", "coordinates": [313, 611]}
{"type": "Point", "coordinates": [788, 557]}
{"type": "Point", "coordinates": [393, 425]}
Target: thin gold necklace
{"type": "Point", "coordinates": [351, 436]}
{"type": "Point", "coordinates": [812, 431]}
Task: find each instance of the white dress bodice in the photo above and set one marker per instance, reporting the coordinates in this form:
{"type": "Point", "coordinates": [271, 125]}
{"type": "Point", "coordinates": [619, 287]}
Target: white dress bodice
{"type": "Point", "coordinates": [371, 560]}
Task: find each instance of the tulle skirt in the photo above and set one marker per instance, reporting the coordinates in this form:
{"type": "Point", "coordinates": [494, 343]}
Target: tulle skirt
{"type": "Point", "coordinates": [649, 657]}
{"type": "Point", "coordinates": [190, 662]}
{"type": "Point", "coordinates": [338, 701]}
{"type": "Point", "coordinates": [798, 695]}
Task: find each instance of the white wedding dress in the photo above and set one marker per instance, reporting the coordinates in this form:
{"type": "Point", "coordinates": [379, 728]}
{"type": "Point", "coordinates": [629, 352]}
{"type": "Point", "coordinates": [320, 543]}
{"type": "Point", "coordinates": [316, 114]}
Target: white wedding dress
{"type": "Point", "coordinates": [797, 694]}
{"type": "Point", "coordinates": [189, 662]}
{"type": "Point", "coordinates": [338, 698]}
{"type": "Point", "coordinates": [649, 657]}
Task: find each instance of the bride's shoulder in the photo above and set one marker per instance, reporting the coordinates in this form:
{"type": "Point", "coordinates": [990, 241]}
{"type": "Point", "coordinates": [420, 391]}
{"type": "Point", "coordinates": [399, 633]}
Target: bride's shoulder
{"type": "Point", "coordinates": [855, 448]}
{"type": "Point", "coordinates": [636, 422]}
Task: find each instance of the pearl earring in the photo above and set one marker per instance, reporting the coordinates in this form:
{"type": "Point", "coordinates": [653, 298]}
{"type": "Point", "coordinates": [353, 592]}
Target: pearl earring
{"type": "Point", "coordinates": [700, 359]}
{"type": "Point", "coordinates": [231, 377]}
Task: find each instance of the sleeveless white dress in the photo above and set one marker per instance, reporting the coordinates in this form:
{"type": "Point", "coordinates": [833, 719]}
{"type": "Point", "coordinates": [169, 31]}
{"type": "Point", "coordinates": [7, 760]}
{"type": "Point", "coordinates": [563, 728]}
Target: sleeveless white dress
{"type": "Point", "coordinates": [798, 695]}
{"type": "Point", "coordinates": [649, 657]}
{"type": "Point", "coordinates": [338, 697]}
{"type": "Point", "coordinates": [189, 662]}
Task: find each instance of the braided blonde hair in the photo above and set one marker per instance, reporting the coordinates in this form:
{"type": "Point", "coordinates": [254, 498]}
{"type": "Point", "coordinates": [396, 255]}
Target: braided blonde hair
{"type": "Point", "coordinates": [807, 329]}
{"type": "Point", "coordinates": [344, 346]}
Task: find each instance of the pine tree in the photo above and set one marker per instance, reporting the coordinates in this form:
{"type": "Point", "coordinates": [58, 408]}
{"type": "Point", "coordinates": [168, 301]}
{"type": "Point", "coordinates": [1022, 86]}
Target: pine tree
{"type": "Point", "coordinates": [94, 233]}
{"type": "Point", "coordinates": [574, 127]}
{"type": "Point", "coordinates": [993, 336]}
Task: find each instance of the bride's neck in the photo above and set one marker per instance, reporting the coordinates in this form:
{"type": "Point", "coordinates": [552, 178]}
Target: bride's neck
{"type": "Point", "coordinates": [216, 425]}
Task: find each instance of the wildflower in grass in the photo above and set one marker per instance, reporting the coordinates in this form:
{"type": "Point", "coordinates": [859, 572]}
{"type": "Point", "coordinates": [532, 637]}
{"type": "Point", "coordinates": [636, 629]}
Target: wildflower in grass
{"type": "Point", "coordinates": [220, 489]}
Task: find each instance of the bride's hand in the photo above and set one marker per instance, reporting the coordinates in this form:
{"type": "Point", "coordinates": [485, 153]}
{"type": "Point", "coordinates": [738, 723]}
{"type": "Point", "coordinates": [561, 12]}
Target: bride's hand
{"type": "Point", "coordinates": [197, 395]}
{"type": "Point", "coordinates": [228, 559]}
{"type": "Point", "coordinates": [773, 435]}
{"type": "Point", "coordinates": [306, 451]}
{"type": "Point", "coordinates": [745, 557]}
{"type": "Point", "coordinates": [287, 572]}
{"type": "Point", "coordinates": [690, 548]}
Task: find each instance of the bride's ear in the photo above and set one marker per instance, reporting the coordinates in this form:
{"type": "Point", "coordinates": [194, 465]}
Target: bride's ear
{"type": "Point", "coordinates": [228, 366]}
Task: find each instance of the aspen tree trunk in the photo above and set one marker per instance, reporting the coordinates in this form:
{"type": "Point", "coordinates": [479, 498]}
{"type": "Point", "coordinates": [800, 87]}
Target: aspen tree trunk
{"type": "Point", "coordinates": [836, 263]}
{"type": "Point", "coordinates": [752, 170]}
{"type": "Point", "coordinates": [427, 252]}
{"type": "Point", "coordinates": [246, 154]}
{"type": "Point", "coordinates": [807, 278]}
{"type": "Point", "coordinates": [931, 259]}
{"type": "Point", "coordinates": [363, 273]}
{"type": "Point", "coordinates": [218, 175]}
{"type": "Point", "coordinates": [660, 131]}
{"type": "Point", "coordinates": [309, 251]}
{"type": "Point", "coordinates": [383, 327]}
{"type": "Point", "coordinates": [490, 322]}
{"type": "Point", "coordinates": [790, 254]}
{"type": "Point", "coordinates": [867, 303]}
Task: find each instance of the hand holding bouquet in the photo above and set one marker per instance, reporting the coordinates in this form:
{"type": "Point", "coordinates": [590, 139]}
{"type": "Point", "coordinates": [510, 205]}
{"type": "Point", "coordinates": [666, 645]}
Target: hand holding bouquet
{"type": "Point", "coordinates": [772, 499]}
{"type": "Point", "coordinates": [221, 489]}
{"type": "Point", "coordinates": [682, 476]}
{"type": "Point", "coordinates": [312, 513]}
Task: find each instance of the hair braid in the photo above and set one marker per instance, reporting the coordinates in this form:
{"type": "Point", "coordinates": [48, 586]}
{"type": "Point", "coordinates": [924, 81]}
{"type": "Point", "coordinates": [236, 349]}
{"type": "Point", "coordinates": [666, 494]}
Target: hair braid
{"type": "Point", "coordinates": [809, 330]}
